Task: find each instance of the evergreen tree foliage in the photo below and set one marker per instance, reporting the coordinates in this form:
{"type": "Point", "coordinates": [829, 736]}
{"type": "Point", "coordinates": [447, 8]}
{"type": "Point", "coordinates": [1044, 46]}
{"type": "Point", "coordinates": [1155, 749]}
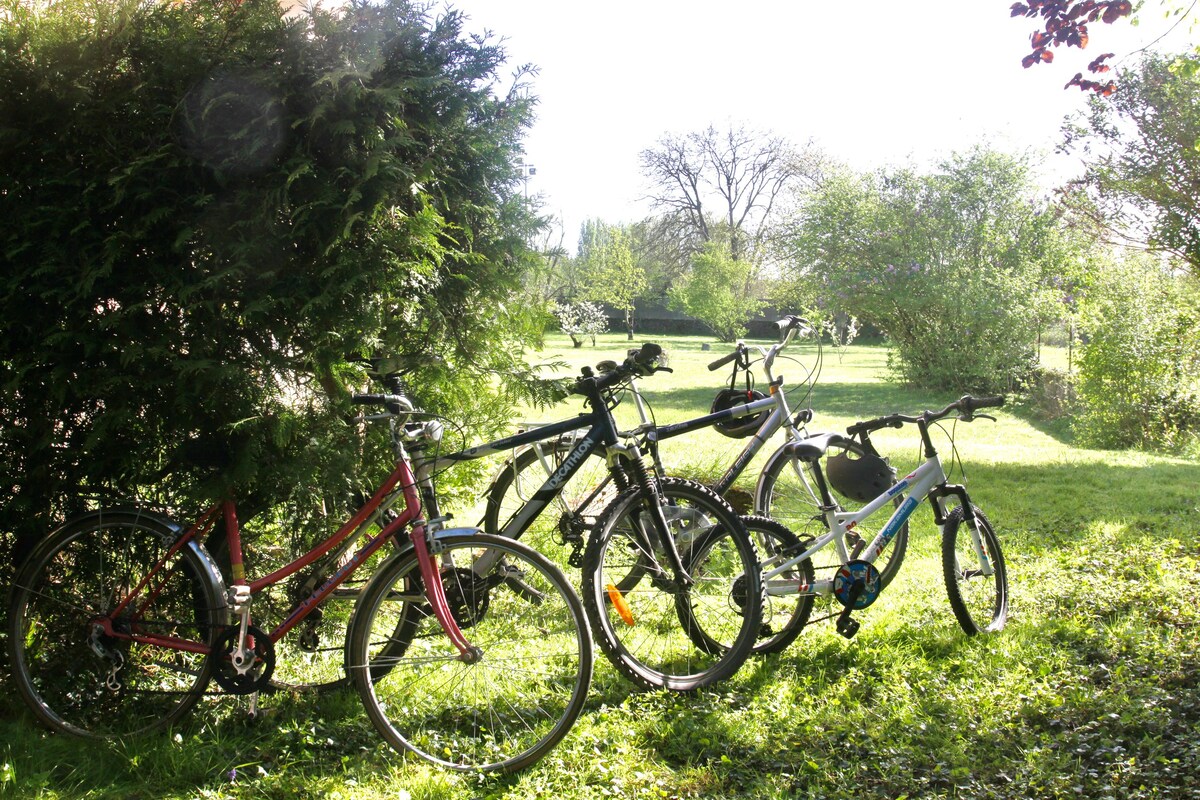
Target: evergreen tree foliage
{"type": "Point", "coordinates": [210, 211]}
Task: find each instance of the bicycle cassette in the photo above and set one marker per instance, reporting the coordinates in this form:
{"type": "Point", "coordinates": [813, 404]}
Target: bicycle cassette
{"type": "Point", "coordinates": [249, 673]}
{"type": "Point", "coordinates": [861, 573]}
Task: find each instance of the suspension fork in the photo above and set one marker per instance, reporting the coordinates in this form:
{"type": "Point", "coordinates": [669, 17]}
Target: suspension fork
{"type": "Point", "coordinates": [652, 503]}
{"type": "Point", "coordinates": [970, 519]}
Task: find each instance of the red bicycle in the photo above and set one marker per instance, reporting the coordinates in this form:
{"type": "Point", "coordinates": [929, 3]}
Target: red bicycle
{"type": "Point", "coordinates": [120, 619]}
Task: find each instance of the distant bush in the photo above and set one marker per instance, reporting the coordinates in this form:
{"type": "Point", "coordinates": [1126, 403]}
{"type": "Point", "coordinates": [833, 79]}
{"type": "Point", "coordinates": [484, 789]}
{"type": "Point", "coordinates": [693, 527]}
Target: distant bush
{"type": "Point", "coordinates": [957, 267]}
{"type": "Point", "coordinates": [1139, 368]}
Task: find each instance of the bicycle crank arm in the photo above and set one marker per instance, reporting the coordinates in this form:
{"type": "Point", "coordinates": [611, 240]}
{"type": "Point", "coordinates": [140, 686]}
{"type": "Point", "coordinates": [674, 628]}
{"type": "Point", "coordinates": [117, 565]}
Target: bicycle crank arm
{"type": "Point", "coordinates": [847, 626]}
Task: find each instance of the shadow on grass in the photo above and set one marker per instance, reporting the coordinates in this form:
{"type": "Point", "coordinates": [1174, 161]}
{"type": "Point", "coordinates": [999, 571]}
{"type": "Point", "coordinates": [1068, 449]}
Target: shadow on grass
{"type": "Point", "coordinates": [857, 401]}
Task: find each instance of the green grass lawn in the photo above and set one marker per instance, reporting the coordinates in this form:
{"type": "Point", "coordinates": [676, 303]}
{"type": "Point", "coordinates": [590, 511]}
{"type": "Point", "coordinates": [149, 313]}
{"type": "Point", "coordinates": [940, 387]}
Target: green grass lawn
{"type": "Point", "coordinates": [1090, 692]}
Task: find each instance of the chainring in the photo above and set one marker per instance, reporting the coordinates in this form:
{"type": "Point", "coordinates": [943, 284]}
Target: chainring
{"type": "Point", "coordinates": [257, 677]}
{"type": "Point", "coordinates": [851, 573]}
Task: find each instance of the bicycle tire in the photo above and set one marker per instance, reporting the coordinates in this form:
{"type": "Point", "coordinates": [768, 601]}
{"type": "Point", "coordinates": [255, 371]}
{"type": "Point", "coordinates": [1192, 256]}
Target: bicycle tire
{"type": "Point", "coordinates": [515, 484]}
{"type": "Point", "coordinates": [677, 640]}
{"type": "Point", "coordinates": [784, 615]}
{"type": "Point", "coordinates": [501, 713]}
{"type": "Point", "coordinates": [62, 665]}
{"type": "Point", "coordinates": [980, 602]}
{"type": "Point", "coordinates": [783, 496]}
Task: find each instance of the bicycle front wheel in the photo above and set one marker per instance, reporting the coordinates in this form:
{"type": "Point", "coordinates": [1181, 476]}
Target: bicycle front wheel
{"type": "Point", "coordinates": [83, 679]}
{"type": "Point", "coordinates": [979, 600]}
{"type": "Point", "coordinates": [502, 712]}
{"type": "Point", "coordinates": [787, 493]}
{"type": "Point", "coordinates": [657, 633]}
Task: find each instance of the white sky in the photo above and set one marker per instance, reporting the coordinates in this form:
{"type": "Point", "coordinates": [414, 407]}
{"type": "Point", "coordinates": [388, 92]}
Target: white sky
{"type": "Point", "coordinates": [871, 82]}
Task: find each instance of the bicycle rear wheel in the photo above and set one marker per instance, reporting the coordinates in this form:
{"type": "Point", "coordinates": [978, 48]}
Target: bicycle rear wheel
{"type": "Point", "coordinates": [980, 601]}
{"type": "Point", "coordinates": [500, 713]}
{"type": "Point", "coordinates": [785, 610]}
{"type": "Point", "coordinates": [656, 633]}
{"type": "Point", "coordinates": [76, 678]}
{"type": "Point", "coordinates": [787, 493]}
{"type": "Point", "coordinates": [559, 531]}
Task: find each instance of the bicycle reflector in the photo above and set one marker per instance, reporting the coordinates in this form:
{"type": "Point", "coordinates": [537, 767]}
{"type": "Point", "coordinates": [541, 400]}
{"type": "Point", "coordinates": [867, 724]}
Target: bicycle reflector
{"type": "Point", "coordinates": [862, 478]}
{"type": "Point", "coordinates": [618, 601]}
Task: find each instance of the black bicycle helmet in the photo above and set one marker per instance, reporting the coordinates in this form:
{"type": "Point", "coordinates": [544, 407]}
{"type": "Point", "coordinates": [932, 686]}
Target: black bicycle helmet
{"type": "Point", "coordinates": [738, 427]}
{"type": "Point", "coordinates": [862, 478]}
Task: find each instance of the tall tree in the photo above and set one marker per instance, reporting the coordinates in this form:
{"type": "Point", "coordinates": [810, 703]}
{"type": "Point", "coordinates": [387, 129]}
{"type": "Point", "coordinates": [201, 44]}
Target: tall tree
{"type": "Point", "coordinates": [210, 209]}
{"type": "Point", "coordinates": [615, 276]}
{"type": "Point", "coordinates": [1142, 164]}
{"type": "Point", "coordinates": [724, 183]}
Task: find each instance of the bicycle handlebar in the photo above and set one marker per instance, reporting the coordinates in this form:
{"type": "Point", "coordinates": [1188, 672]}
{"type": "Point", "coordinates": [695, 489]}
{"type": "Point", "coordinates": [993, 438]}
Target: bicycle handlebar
{"type": "Point", "coordinates": [643, 361]}
{"type": "Point", "coordinates": [788, 326]}
{"type": "Point", "coordinates": [722, 361]}
{"type": "Point", "coordinates": [966, 406]}
{"type": "Point", "coordinates": [792, 323]}
{"type": "Point", "coordinates": [394, 403]}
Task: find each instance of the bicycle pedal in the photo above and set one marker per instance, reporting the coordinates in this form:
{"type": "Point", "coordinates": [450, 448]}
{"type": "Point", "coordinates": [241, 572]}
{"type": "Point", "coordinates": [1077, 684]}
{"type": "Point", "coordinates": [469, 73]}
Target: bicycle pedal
{"type": "Point", "coordinates": [847, 626]}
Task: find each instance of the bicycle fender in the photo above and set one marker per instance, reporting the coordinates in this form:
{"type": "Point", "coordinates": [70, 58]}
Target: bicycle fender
{"type": "Point", "coordinates": [170, 530]}
{"type": "Point", "coordinates": [787, 451]}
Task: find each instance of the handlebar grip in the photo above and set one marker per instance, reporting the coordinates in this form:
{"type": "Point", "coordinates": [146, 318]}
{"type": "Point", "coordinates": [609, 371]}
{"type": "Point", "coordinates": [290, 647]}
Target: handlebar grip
{"type": "Point", "coordinates": [722, 361]}
{"type": "Point", "coordinates": [394, 403]}
{"type": "Point", "coordinates": [791, 321]}
{"type": "Point", "coordinates": [969, 405]}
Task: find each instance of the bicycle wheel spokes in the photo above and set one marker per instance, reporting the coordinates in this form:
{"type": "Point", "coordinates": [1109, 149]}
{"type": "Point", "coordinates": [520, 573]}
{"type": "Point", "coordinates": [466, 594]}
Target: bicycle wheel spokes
{"type": "Point", "coordinates": [785, 609]}
{"type": "Point", "coordinates": [502, 712]}
{"type": "Point", "coordinates": [660, 634]}
{"type": "Point", "coordinates": [979, 600]}
{"type": "Point", "coordinates": [81, 680]}
{"type": "Point", "coordinates": [560, 528]}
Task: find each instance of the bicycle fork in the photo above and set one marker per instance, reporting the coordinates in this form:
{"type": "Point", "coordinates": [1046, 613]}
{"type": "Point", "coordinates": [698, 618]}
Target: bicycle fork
{"type": "Point", "coordinates": [970, 519]}
{"type": "Point", "coordinates": [426, 549]}
{"type": "Point", "coordinates": [658, 520]}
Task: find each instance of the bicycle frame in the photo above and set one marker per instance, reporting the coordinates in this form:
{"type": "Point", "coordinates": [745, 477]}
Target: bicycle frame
{"type": "Point", "coordinates": [779, 416]}
{"type": "Point", "coordinates": [400, 483]}
{"type": "Point", "coordinates": [601, 434]}
{"type": "Point", "coordinates": [926, 482]}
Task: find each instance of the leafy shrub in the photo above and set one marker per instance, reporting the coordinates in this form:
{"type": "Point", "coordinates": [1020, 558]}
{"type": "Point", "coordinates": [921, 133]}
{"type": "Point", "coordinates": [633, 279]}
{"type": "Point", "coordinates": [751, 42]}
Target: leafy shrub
{"type": "Point", "coordinates": [716, 292]}
{"type": "Point", "coordinates": [209, 210]}
{"type": "Point", "coordinates": [954, 266]}
{"type": "Point", "coordinates": [1139, 370]}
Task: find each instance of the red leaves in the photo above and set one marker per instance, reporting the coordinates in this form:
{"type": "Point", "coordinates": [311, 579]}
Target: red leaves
{"type": "Point", "coordinates": [1117, 10]}
{"type": "Point", "coordinates": [1064, 22]}
{"type": "Point", "coordinates": [1103, 89]}
{"type": "Point", "coordinates": [1098, 64]}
